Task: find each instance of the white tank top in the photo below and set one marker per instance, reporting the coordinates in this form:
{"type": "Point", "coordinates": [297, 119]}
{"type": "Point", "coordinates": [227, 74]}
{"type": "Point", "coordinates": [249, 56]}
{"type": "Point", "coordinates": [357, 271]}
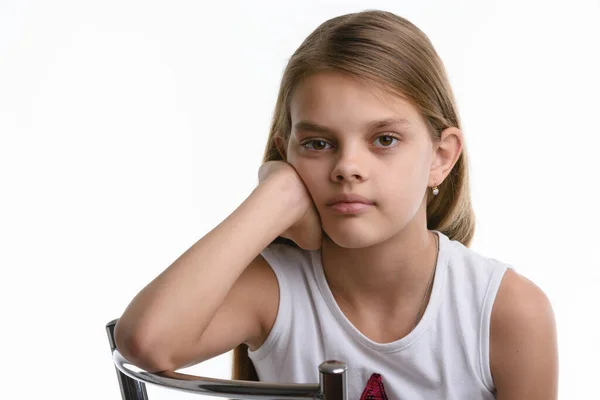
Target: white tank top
{"type": "Point", "coordinates": [446, 356]}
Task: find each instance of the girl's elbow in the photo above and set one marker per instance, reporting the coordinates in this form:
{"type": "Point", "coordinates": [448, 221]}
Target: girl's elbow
{"type": "Point", "coordinates": [139, 349]}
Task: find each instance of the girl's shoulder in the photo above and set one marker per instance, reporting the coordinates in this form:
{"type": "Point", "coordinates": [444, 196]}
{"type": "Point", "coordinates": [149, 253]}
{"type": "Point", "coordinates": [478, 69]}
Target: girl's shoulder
{"type": "Point", "coordinates": [460, 256]}
{"type": "Point", "coordinates": [286, 258]}
{"type": "Point", "coordinates": [471, 274]}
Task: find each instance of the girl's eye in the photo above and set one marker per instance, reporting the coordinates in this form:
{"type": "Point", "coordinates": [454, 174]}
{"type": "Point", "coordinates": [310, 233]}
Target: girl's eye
{"type": "Point", "coordinates": [318, 145]}
{"type": "Point", "coordinates": [386, 140]}
{"type": "Point", "coordinates": [315, 144]}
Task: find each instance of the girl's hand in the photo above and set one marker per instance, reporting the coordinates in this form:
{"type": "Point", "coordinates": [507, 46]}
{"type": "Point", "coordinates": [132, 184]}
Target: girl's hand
{"type": "Point", "coordinates": [306, 231]}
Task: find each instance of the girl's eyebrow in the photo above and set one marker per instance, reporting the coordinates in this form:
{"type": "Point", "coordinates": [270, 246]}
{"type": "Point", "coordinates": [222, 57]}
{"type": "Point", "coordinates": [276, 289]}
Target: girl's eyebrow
{"type": "Point", "coordinates": [377, 124]}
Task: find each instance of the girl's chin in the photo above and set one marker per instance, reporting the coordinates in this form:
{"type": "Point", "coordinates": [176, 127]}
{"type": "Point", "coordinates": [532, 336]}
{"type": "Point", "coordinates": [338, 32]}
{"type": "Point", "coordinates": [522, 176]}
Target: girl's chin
{"type": "Point", "coordinates": [352, 239]}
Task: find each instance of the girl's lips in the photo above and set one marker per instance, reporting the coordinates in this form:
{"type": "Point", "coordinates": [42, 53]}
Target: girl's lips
{"type": "Point", "coordinates": [349, 198]}
{"type": "Point", "coordinates": [350, 207]}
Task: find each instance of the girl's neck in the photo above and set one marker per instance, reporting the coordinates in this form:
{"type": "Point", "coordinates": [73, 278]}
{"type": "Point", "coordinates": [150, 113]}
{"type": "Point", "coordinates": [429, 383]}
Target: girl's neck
{"type": "Point", "coordinates": [392, 274]}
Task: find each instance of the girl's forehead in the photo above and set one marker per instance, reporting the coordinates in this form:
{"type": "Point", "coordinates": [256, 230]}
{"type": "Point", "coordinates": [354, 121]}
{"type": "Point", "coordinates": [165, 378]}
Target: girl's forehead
{"type": "Point", "coordinates": [333, 94]}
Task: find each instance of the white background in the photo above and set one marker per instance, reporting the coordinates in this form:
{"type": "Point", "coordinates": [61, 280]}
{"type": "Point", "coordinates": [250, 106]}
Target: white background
{"type": "Point", "coordinates": [129, 129]}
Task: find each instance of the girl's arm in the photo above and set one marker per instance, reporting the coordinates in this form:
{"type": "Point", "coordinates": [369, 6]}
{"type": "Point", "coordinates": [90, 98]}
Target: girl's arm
{"type": "Point", "coordinates": [523, 342]}
{"type": "Point", "coordinates": [219, 293]}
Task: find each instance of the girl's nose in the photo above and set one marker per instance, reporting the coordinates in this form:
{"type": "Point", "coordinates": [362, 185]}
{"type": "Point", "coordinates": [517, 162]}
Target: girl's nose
{"type": "Point", "coordinates": [349, 168]}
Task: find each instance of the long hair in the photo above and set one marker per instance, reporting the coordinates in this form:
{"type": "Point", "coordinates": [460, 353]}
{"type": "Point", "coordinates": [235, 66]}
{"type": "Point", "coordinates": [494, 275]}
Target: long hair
{"type": "Point", "coordinates": [390, 53]}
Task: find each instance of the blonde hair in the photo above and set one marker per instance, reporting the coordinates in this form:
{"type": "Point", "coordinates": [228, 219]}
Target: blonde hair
{"type": "Point", "coordinates": [392, 54]}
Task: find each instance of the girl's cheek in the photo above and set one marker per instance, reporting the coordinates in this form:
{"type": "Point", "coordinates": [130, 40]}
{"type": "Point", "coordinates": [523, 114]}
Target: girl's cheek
{"type": "Point", "coordinates": [302, 167]}
{"type": "Point", "coordinates": [311, 181]}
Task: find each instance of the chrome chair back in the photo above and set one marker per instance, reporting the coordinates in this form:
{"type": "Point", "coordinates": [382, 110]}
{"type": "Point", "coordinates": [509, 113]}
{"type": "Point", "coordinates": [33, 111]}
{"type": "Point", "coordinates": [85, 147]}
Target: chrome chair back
{"type": "Point", "coordinates": [332, 383]}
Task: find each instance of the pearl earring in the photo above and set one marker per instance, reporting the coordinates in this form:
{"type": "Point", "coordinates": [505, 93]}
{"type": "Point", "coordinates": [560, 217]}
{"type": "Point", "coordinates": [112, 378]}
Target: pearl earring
{"type": "Point", "coordinates": [435, 189]}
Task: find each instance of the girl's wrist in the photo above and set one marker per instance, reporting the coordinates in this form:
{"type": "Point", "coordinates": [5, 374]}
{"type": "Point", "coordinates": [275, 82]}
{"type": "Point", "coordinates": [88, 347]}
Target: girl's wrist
{"type": "Point", "coordinates": [286, 192]}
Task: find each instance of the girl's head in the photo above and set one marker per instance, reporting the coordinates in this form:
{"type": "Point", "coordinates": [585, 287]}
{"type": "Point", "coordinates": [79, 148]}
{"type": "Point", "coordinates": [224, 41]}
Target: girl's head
{"type": "Point", "coordinates": [365, 107]}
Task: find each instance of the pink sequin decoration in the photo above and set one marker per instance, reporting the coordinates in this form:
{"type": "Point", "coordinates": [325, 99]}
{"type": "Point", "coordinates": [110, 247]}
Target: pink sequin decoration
{"type": "Point", "coordinates": [374, 389]}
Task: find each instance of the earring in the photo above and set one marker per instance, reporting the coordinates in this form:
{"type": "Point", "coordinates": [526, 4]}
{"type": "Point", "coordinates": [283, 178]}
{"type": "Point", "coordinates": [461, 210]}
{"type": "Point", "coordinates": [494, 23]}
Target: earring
{"type": "Point", "coordinates": [435, 189]}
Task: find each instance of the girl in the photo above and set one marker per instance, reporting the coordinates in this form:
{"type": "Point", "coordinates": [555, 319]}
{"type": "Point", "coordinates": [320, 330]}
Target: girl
{"type": "Point", "coordinates": [365, 187]}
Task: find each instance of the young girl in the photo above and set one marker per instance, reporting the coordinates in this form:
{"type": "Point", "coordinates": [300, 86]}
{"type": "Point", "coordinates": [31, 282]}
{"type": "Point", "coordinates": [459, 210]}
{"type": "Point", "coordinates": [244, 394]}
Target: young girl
{"type": "Point", "coordinates": [365, 187]}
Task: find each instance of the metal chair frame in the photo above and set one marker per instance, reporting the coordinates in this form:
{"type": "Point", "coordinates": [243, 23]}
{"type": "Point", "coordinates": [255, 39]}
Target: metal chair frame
{"type": "Point", "coordinates": [332, 381]}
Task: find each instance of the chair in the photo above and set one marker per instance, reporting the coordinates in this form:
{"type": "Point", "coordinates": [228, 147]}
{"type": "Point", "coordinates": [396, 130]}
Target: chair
{"type": "Point", "coordinates": [332, 383]}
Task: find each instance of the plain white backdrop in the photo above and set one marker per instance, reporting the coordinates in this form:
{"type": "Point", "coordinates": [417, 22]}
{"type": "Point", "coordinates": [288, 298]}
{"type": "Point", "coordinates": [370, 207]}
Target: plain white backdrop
{"type": "Point", "coordinates": [129, 129]}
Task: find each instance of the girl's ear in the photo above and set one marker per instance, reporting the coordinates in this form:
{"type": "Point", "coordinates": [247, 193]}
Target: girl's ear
{"type": "Point", "coordinates": [280, 144]}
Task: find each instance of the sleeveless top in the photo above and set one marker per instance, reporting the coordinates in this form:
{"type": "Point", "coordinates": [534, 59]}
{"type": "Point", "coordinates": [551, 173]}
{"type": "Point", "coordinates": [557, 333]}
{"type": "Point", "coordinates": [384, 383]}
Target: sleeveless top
{"type": "Point", "coordinates": [446, 356]}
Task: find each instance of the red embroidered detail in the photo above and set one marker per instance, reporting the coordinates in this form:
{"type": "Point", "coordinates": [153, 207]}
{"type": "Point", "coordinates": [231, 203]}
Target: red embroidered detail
{"type": "Point", "coordinates": [374, 389]}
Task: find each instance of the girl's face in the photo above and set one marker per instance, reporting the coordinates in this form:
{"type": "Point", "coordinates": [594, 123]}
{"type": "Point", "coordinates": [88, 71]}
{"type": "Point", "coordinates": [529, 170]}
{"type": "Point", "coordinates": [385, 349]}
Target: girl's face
{"type": "Point", "coordinates": [349, 139]}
